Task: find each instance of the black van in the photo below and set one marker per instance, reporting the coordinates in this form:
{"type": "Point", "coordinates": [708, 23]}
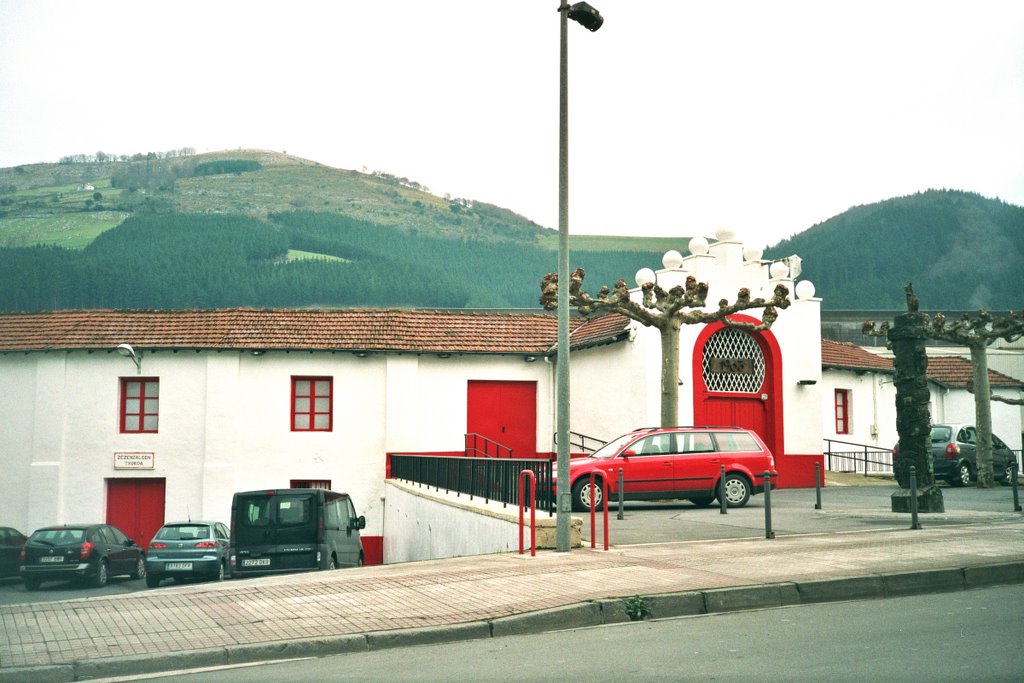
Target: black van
{"type": "Point", "coordinates": [293, 530]}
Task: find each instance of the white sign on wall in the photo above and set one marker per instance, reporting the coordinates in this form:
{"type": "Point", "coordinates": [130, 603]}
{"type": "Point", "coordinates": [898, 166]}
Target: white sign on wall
{"type": "Point", "coordinates": [134, 461]}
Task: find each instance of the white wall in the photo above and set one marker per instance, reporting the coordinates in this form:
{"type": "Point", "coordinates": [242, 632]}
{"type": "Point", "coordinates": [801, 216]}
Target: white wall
{"type": "Point", "coordinates": [224, 425]}
{"type": "Point", "coordinates": [420, 524]}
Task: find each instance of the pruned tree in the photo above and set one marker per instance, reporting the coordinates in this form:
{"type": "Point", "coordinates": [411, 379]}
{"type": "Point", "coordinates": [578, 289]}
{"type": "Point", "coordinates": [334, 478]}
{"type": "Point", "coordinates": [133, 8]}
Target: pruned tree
{"type": "Point", "coordinates": [977, 334]}
{"type": "Point", "coordinates": [996, 397]}
{"type": "Point", "coordinates": [667, 311]}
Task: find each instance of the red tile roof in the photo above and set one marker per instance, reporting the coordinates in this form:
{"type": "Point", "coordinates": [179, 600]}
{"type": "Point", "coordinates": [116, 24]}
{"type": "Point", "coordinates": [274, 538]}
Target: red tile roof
{"type": "Point", "coordinates": [847, 356]}
{"type": "Point", "coordinates": [956, 371]}
{"type": "Point", "coordinates": [348, 329]}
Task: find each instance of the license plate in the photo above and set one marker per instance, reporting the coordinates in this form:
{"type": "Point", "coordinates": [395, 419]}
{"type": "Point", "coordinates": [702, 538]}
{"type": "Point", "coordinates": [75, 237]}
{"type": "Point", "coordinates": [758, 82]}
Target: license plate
{"type": "Point", "coordinates": [256, 562]}
{"type": "Point", "coordinates": [51, 558]}
{"type": "Point", "coordinates": [170, 566]}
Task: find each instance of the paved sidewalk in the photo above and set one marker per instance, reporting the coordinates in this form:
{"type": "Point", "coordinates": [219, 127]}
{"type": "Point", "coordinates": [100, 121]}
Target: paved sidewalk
{"type": "Point", "coordinates": [486, 596]}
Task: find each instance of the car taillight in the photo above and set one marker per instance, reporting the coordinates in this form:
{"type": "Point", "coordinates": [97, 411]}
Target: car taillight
{"type": "Point", "coordinates": [952, 451]}
{"type": "Point", "coordinates": [206, 544]}
{"type": "Point", "coordinates": [158, 545]}
{"type": "Point", "coordinates": [23, 553]}
{"type": "Point", "coordinates": [86, 550]}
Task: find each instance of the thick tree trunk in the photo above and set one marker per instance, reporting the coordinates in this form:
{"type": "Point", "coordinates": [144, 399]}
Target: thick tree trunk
{"type": "Point", "coordinates": [982, 416]}
{"type": "Point", "coordinates": [670, 373]}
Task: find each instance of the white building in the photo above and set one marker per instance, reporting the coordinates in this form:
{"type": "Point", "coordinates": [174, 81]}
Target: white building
{"type": "Point", "coordinates": [218, 401]}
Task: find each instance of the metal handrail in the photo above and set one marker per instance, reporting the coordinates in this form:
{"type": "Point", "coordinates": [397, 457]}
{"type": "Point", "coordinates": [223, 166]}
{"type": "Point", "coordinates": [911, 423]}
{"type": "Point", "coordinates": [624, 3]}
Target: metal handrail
{"type": "Point", "coordinates": [866, 457]}
{"type": "Point", "coordinates": [490, 478]}
{"type": "Point", "coordinates": [587, 444]}
{"type": "Point", "coordinates": [490, 447]}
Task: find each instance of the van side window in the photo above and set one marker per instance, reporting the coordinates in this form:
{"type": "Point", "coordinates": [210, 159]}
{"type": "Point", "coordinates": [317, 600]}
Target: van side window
{"type": "Point", "coordinates": [332, 514]}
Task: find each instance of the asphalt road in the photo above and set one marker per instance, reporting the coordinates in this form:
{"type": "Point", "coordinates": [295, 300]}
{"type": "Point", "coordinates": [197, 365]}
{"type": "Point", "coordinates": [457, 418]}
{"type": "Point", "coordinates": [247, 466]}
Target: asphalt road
{"type": "Point", "coordinates": [970, 635]}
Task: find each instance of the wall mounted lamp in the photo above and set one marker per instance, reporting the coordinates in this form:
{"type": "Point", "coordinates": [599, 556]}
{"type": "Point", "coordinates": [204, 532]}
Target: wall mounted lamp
{"type": "Point", "coordinates": [806, 382]}
{"type": "Point", "coordinates": [127, 351]}
{"type": "Point", "coordinates": [530, 359]}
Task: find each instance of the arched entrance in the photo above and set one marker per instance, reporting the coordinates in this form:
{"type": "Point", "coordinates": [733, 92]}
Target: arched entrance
{"type": "Point", "coordinates": [737, 379]}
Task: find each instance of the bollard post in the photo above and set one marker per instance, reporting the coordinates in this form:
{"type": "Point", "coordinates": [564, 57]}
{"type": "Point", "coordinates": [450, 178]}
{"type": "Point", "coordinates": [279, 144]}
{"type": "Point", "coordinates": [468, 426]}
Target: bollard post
{"type": "Point", "coordinates": [723, 506]}
{"type": "Point", "coordinates": [817, 485]}
{"type": "Point", "coordinates": [1016, 496]}
{"type": "Point", "coordinates": [523, 476]}
{"type": "Point", "coordinates": [621, 495]}
{"type": "Point", "coordinates": [593, 510]}
{"type": "Point", "coordinates": [768, 533]}
{"type": "Point", "coordinates": [913, 499]}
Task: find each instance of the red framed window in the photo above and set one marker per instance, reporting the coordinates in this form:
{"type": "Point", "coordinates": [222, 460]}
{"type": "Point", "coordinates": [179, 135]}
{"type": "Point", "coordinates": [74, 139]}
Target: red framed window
{"type": "Point", "coordinates": [140, 405]}
{"type": "Point", "coordinates": [312, 399]}
{"type": "Point", "coordinates": [842, 411]}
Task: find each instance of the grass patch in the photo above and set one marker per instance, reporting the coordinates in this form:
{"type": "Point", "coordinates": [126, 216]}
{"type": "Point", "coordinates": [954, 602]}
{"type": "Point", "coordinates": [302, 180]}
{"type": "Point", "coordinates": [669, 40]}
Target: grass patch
{"type": "Point", "coordinates": [612, 243]}
{"type": "Point", "coordinates": [69, 230]}
{"type": "Point", "coordinates": [299, 255]}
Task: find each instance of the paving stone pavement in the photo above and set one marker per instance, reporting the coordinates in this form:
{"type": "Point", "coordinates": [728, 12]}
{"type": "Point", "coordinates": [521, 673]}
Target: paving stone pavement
{"type": "Point", "coordinates": [434, 601]}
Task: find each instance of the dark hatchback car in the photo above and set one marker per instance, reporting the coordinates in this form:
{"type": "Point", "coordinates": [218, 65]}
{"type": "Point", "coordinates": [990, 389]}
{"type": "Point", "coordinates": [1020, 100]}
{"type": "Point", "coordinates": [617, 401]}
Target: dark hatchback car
{"type": "Point", "coordinates": [11, 541]}
{"type": "Point", "coordinates": [954, 455]}
{"type": "Point", "coordinates": [188, 550]}
{"type": "Point", "coordinates": [80, 552]}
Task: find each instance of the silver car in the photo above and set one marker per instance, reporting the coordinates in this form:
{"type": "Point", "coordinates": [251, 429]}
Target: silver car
{"type": "Point", "coordinates": [195, 549]}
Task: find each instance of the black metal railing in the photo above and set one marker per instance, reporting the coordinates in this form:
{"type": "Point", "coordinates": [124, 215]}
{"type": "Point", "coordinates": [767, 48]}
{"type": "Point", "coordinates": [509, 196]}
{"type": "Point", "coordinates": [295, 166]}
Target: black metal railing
{"type": "Point", "coordinates": [587, 444]}
{"type": "Point", "coordinates": [845, 456]}
{"type": "Point", "coordinates": [488, 478]}
{"type": "Point", "coordinates": [479, 446]}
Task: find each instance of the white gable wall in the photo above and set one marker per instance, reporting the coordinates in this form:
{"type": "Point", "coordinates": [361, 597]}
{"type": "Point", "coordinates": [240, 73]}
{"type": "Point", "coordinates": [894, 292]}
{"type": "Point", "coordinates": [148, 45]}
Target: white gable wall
{"type": "Point", "coordinates": [224, 425]}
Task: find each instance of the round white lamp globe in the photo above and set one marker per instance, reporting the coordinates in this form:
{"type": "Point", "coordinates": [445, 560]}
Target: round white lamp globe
{"type": "Point", "coordinates": [698, 246]}
{"type": "Point", "coordinates": [723, 234]}
{"type": "Point", "coordinates": [778, 270]}
{"type": "Point", "coordinates": [645, 276]}
{"type": "Point", "coordinates": [672, 259]}
{"type": "Point", "coordinates": [752, 253]}
{"type": "Point", "coordinates": [804, 289]}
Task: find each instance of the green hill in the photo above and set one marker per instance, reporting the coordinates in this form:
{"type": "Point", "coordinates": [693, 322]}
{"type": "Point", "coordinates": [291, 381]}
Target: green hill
{"type": "Point", "coordinates": [257, 228]}
{"type": "Point", "coordinates": [962, 251]}
{"type": "Point", "coordinates": [266, 229]}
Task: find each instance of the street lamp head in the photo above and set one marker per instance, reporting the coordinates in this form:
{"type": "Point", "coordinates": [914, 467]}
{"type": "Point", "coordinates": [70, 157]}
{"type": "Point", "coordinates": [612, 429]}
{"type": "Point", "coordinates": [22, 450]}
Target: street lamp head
{"type": "Point", "coordinates": [585, 15]}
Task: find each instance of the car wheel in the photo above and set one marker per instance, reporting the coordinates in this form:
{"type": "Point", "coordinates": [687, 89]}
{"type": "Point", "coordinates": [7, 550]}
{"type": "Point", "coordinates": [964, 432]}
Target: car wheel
{"type": "Point", "coordinates": [100, 580]}
{"type": "Point", "coordinates": [140, 568]}
{"type": "Point", "coordinates": [152, 581]}
{"type": "Point", "coordinates": [737, 490]}
{"type": "Point", "coordinates": [961, 475]}
{"type": "Point", "coordinates": [581, 494]}
{"type": "Point", "coordinates": [31, 584]}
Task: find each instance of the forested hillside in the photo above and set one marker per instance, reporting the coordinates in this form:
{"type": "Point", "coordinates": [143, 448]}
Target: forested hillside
{"type": "Point", "coordinates": [962, 252]}
{"type": "Point", "coordinates": [200, 261]}
{"type": "Point", "coordinates": [257, 228]}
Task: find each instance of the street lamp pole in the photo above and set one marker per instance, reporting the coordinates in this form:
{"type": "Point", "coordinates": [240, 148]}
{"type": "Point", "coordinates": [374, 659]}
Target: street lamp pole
{"type": "Point", "coordinates": [590, 19]}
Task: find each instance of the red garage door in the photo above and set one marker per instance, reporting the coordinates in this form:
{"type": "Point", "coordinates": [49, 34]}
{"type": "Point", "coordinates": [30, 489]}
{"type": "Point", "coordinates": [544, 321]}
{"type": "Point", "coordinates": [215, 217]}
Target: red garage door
{"type": "Point", "coordinates": [505, 412]}
{"type": "Point", "coordinates": [136, 506]}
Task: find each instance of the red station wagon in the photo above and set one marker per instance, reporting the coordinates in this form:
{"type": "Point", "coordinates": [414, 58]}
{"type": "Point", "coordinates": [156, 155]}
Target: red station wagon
{"type": "Point", "coordinates": [676, 462]}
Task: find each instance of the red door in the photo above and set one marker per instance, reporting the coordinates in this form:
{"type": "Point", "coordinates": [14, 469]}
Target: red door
{"type": "Point", "coordinates": [136, 507]}
{"type": "Point", "coordinates": [749, 412]}
{"type": "Point", "coordinates": [505, 412]}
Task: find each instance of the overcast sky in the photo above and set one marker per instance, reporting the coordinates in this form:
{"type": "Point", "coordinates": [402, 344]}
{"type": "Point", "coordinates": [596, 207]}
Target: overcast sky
{"type": "Point", "coordinates": [764, 117]}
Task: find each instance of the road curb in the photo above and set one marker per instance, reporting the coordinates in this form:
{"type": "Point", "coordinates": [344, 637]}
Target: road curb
{"type": "Point", "coordinates": [580, 615]}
